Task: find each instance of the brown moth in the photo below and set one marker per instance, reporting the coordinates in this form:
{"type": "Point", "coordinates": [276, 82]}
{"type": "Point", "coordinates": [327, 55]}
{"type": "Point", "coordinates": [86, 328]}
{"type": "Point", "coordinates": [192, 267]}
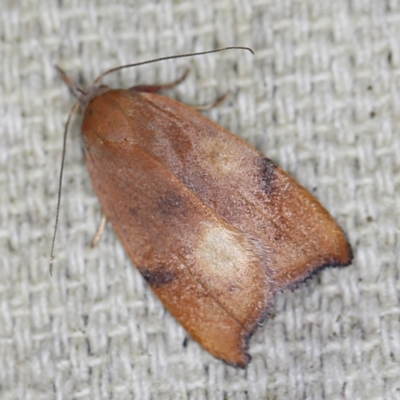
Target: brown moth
{"type": "Point", "coordinates": [214, 226]}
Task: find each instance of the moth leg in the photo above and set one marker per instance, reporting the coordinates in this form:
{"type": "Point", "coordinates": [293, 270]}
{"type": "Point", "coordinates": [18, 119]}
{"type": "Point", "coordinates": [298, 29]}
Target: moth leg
{"type": "Point", "coordinates": [208, 106]}
{"type": "Point", "coordinates": [157, 88]}
{"type": "Point", "coordinates": [100, 230]}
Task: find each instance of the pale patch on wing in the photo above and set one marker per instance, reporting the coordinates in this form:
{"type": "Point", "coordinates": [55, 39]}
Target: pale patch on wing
{"type": "Point", "coordinates": [224, 157]}
{"type": "Point", "coordinates": [223, 254]}
{"type": "Point", "coordinates": [230, 267]}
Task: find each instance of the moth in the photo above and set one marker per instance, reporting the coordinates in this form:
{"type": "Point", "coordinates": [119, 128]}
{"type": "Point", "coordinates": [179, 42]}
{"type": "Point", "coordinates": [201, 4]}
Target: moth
{"type": "Point", "coordinates": [215, 227]}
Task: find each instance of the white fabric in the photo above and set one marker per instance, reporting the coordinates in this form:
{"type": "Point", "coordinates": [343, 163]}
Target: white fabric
{"type": "Point", "coordinates": [321, 97]}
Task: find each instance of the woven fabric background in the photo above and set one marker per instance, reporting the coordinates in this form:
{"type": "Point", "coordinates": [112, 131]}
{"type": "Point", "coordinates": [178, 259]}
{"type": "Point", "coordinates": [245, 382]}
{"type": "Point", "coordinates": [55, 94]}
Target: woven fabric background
{"type": "Point", "coordinates": [321, 98]}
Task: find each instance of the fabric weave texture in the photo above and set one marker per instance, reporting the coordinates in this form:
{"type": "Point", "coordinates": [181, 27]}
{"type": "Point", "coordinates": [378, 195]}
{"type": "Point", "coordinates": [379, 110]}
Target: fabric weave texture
{"type": "Point", "coordinates": [320, 97]}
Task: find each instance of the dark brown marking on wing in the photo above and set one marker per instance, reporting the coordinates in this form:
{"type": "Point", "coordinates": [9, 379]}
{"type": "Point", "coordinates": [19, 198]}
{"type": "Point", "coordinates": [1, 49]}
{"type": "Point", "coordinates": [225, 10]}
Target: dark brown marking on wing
{"type": "Point", "coordinates": [172, 204]}
{"type": "Point", "coordinates": [267, 174]}
{"type": "Point", "coordinates": [158, 276]}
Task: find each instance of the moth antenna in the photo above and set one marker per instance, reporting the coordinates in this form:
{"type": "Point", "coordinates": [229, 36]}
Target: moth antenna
{"type": "Point", "coordinates": [71, 113]}
{"type": "Point", "coordinates": [99, 78]}
{"type": "Point", "coordinates": [73, 85]}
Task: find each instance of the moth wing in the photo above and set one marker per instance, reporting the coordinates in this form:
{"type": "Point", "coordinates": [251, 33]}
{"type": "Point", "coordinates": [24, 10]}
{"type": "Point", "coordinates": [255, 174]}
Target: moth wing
{"type": "Point", "coordinates": [210, 275]}
{"type": "Point", "coordinates": [247, 190]}
{"type": "Point", "coordinates": [214, 226]}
